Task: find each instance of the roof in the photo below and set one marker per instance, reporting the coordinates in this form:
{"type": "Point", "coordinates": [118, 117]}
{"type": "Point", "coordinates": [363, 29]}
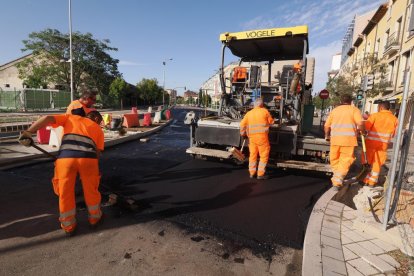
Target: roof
{"type": "Point", "coordinates": [268, 44]}
{"type": "Point", "coordinates": [381, 11]}
{"type": "Point", "coordinates": [13, 62]}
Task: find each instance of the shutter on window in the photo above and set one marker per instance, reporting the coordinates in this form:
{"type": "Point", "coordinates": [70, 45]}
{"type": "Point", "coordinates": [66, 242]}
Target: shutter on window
{"type": "Point", "coordinates": [411, 25]}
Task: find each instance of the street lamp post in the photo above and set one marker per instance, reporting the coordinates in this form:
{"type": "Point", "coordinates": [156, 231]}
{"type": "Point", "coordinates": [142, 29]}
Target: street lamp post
{"type": "Point", "coordinates": [163, 85]}
{"type": "Point", "coordinates": [72, 98]}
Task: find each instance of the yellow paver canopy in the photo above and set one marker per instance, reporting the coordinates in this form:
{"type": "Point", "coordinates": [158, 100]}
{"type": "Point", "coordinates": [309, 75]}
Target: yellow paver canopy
{"type": "Point", "coordinates": [268, 44]}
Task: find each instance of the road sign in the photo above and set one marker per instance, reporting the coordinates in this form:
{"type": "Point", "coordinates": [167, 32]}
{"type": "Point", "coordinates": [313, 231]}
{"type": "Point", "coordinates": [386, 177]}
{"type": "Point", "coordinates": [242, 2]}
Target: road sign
{"type": "Point", "coordinates": [324, 94]}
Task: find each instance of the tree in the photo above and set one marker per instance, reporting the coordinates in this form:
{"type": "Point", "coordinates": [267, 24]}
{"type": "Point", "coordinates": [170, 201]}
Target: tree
{"type": "Point", "coordinates": [93, 67]}
{"type": "Point", "coordinates": [339, 86]}
{"type": "Point", "coordinates": [317, 101]}
{"type": "Point", "coordinates": [117, 91]}
{"type": "Point", "coordinates": [149, 91]}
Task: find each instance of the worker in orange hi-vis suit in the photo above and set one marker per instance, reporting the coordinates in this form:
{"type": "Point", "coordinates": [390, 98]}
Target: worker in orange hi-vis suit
{"type": "Point", "coordinates": [380, 128]}
{"type": "Point", "coordinates": [82, 142]}
{"type": "Point", "coordinates": [255, 125]}
{"type": "Point", "coordinates": [83, 105]}
{"type": "Point", "coordinates": [341, 129]}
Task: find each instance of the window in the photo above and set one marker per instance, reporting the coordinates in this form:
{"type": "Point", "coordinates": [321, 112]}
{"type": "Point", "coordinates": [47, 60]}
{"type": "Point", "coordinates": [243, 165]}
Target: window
{"type": "Point", "coordinates": [390, 72]}
{"type": "Point", "coordinates": [411, 16]}
{"type": "Point", "coordinates": [7, 85]}
{"type": "Point", "coordinates": [405, 65]}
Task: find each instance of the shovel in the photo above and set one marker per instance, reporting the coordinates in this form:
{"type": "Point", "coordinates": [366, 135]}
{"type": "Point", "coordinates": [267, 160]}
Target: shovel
{"type": "Point", "coordinates": [366, 168]}
{"type": "Point", "coordinates": [48, 154]}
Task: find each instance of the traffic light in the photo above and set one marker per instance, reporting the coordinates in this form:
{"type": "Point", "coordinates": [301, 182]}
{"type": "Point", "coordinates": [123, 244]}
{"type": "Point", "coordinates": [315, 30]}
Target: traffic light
{"type": "Point", "coordinates": [368, 82]}
{"type": "Point", "coordinates": [360, 95]}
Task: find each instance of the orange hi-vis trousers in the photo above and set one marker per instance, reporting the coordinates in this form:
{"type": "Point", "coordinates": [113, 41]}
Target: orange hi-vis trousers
{"type": "Point", "coordinates": [341, 158]}
{"type": "Point", "coordinates": [376, 158]}
{"type": "Point", "coordinates": [259, 147]}
{"type": "Point", "coordinates": [66, 170]}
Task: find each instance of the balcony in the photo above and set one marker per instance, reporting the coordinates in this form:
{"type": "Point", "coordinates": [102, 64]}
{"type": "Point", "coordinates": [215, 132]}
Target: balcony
{"type": "Point", "coordinates": [392, 46]}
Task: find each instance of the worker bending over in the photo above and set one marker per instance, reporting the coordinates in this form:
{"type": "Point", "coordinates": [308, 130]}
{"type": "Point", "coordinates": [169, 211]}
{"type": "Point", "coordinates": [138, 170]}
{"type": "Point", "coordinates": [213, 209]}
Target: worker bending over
{"type": "Point", "coordinates": [82, 106]}
{"type": "Point", "coordinates": [341, 128]}
{"type": "Point", "coordinates": [255, 125]}
{"type": "Point", "coordinates": [380, 128]}
{"type": "Point", "coordinates": [82, 142]}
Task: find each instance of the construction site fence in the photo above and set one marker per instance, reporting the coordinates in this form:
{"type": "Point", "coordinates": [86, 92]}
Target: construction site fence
{"type": "Point", "coordinates": [33, 99]}
{"type": "Point", "coordinates": [399, 185]}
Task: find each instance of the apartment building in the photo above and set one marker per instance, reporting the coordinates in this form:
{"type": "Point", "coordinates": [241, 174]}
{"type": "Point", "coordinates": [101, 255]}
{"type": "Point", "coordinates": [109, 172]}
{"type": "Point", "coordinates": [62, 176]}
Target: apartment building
{"type": "Point", "coordinates": [382, 48]}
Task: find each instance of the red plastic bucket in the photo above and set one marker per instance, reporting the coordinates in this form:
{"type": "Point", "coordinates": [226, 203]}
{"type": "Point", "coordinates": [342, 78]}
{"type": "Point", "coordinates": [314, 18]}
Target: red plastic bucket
{"type": "Point", "coordinates": [43, 135]}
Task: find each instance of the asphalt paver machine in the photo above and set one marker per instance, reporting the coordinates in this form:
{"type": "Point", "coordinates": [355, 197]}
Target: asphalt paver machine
{"type": "Point", "coordinates": [273, 65]}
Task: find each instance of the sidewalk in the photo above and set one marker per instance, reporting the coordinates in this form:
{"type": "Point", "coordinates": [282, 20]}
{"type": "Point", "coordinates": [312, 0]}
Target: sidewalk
{"type": "Point", "coordinates": [13, 154]}
{"type": "Point", "coordinates": [341, 240]}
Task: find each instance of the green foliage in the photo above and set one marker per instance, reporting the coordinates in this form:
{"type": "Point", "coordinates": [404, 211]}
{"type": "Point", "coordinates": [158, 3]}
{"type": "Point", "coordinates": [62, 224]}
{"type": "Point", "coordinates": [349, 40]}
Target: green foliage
{"type": "Point", "coordinates": [93, 67]}
{"type": "Point", "coordinates": [317, 101]}
{"type": "Point", "coordinates": [339, 86]}
{"type": "Point", "coordinates": [149, 91]}
{"type": "Point", "coordinates": [179, 100]}
{"type": "Point", "coordinates": [117, 91]}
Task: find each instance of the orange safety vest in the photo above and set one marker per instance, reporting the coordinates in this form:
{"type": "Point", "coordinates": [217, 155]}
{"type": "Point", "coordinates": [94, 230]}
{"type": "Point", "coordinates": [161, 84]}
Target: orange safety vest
{"type": "Point", "coordinates": [82, 137]}
{"type": "Point", "coordinates": [77, 108]}
{"type": "Point", "coordinates": [381, 128]}
{"type": "Point", "coordinates": [256, 122]}
{"type": "Point", "coordinates": [343, 121]}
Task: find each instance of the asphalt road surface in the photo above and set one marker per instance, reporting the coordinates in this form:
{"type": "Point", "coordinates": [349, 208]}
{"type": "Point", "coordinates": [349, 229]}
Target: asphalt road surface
{"type": "Point", "coordinates": [193, 217]}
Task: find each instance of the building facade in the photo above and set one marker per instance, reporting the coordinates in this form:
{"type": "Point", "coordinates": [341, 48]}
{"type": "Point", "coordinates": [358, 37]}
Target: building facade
{"type": "Point", "coordinates": [382, 47]}
{"type": "Point", "coordinates": [9, 75]}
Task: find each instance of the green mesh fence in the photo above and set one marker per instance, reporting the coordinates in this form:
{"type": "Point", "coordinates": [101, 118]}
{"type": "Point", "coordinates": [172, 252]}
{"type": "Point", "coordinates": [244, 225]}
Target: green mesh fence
{"type": "Point", "coordinates": [10, 100]}
{"type": "Point", "coordinates": [34, 99]}
{"type": "Point", "coordinates": [37, 99]}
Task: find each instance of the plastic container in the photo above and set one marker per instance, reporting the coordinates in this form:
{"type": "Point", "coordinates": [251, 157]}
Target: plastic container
{"type": "Point", "coordinates": [147, 119]}
{"type": "Point", "coordinates": [167, 114]}
{"type": "Point", "coordinates": [43, 135]}
{"type": "Point", "coordinates": [157, 117]}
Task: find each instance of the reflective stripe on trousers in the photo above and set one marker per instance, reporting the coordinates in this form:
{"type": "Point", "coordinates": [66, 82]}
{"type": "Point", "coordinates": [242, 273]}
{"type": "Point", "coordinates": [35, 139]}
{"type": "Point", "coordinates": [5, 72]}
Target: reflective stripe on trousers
{"type": "Point", "coordinates": [68, 220]}
{"type": "Point", "coordinates": [341, 158]}
{"type": "Point", "coordinates": [66, 170]}
{"type": "Point", "coordinates": [261, 149]}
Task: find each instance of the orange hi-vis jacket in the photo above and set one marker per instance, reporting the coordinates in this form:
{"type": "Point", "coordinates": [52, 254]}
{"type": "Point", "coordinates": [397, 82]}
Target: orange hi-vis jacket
{"type": "Point", "coordinates": [380, 129]}
{"type": "Point", "coordinates": [78, 155]}
{"type": "Point", "coordinates": [77, 108]}
{"type": "Point", "coordinates": [343, 121]}
{"type": "Point", "coordinates": [81, 137]}
{"type": "Point", "coordinates": [255, 123]}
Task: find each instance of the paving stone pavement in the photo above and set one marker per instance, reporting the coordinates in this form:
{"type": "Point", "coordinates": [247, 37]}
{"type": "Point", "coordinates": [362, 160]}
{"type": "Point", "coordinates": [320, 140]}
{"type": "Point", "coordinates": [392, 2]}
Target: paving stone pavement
{"type": "Point", "coordinates": [352, 252]}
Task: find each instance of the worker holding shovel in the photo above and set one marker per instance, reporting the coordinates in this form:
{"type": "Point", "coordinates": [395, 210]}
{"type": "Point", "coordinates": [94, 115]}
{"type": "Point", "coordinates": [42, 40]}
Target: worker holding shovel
{"type": "Point", "coordinates": [255, 125]}
{"type": "Point", "coordinates": [380, 129]}
{"type": "Point", "coordinates": [82, 142]}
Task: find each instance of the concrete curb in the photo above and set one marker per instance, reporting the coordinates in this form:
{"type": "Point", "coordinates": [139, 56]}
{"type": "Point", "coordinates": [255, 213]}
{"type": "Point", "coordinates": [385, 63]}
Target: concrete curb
{"type": "Point", "coordinates": [31, 159]}
{"type": "Point", "coordinates": [312, 251]}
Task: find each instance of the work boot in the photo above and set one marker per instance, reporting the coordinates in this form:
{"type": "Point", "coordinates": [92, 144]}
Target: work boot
{"type": "Point", "coordinates": [252, 176]}
{"type": "Point", "coordinates": [262, 177]}
{"type": "Point", "coordinates": [100, 222]}
{"type": "Point", "coordinates": [336, 188]}
{"type": "Point", "coordinates": [71, 233]}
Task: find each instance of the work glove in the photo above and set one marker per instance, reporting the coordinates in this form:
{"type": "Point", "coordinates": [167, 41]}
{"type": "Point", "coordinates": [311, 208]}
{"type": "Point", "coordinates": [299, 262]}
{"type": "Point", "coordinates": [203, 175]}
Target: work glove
{"type": "Point", "coordinates": [25, 138]}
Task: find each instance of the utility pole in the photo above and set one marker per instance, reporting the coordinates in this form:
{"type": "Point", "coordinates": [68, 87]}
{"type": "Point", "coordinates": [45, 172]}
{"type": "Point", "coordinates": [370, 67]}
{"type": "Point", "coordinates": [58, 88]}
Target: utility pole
{"type": "Point", "coordinates": [72, 98]}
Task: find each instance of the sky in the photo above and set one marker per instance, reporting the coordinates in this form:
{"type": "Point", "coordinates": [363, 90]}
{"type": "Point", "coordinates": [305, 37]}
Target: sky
{"type": "Point", "coordinates": [147, 33]}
